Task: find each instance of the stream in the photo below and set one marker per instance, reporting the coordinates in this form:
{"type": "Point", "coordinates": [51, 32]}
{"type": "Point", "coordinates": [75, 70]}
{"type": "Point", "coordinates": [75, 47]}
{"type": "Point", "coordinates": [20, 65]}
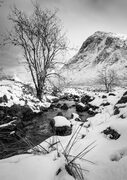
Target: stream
{"type": "Point", "coordinates": [23, 136]}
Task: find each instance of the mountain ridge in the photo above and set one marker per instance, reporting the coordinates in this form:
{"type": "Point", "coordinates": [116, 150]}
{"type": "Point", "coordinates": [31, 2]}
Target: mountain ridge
{"type": "Point", "coordinates": [98, 50]}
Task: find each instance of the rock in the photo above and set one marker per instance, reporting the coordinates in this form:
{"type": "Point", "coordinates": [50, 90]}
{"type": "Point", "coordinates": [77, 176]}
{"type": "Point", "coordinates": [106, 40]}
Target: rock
{"type": "Point", "coordinates": [86, 98]}
{"type": "Point", "coordinates": [61, 126]}
{"type": "Point", "coordinates": [42, 108]}
{"type": "Point", "coordinates": [5, 99]}
{"type": "Point", "coordinates": [59, 114]}
{"type": "Point", "coordinates": [125, 93]}
{"type": "Point", "coordinates": [93, 107]}
{"type": "Point", "coordinates": [92, 113]}
{"type": "Point", "coordinates": [55, 100]}
{"type": "Point", "coordinates": [111, 133]}
{"type": "Point", "coordinates": [80, 107]}
{"type": "Point", "coordinates": [74, 116]}
{"type": "Point", "coordinates": [104, 96]}
{"type": "Point", "coordinates": [77, 119]}
{"type": "Point", "coordinates": [122, 100]}
{"type": "Point", "coordinates": [63, 131]}
{"type": "Point", "coordinates": [105, 104]}
{"type": "Point", "coordinates": [116, 110]}
{"type": "Point", "coordinates": [64, 107]}
{"type": "Point", "coordinates": [111, 94]}
{"type": "Point", "coordinates": [122, 116]}
{"type": "Point", "coordinates": [76, 98]}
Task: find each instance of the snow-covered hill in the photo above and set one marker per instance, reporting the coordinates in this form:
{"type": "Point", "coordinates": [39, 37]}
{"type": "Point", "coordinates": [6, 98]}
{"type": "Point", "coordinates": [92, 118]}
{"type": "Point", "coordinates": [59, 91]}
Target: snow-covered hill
{"type": "Point", "coordinates": [98, 50]}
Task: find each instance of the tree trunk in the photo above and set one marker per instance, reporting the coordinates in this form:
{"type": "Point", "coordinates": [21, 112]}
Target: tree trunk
{"type": "Point", "coordinates": [40, 89]}
{"type": "Point", "coordinates": [39, 93]}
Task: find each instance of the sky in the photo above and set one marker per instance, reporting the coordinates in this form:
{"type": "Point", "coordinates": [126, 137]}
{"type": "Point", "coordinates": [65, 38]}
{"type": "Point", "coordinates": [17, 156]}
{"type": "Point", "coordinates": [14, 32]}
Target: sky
{"type": "Point", "coordinates": [80, 19]}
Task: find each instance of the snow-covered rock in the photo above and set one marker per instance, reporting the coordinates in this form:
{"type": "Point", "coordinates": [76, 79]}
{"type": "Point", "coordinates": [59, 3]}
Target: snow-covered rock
{"type": "Point", "coordinates": [61, 125]}
{"type": "Point", "coordinates": [61, 121]}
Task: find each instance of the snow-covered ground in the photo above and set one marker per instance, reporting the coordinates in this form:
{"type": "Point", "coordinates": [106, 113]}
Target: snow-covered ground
{"type": "Point", "coordinates": [104, 159]}
{"type": "Point", "coordinates": [18, 93]}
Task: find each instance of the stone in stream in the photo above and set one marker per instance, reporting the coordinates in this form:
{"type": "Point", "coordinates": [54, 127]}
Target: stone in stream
{"type": "Point", "coordinates": [86, 99]}
{"type": "Point", "coordinates": [80, 107]}
{"type": "Point", "coordinates": [61, 126]}
{"type": "Point", "coordinates": [59, 114]}
{"type": "Point", "coordinates": [64, 107]}
{"type": "Point", "coordinates": [105, 104]}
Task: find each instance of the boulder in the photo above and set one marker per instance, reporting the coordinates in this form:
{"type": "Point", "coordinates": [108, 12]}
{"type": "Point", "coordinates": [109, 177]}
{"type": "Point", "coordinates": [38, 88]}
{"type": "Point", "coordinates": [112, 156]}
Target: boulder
{"type": "Point", "coordinates": [76, 98]}
{"type": "Point", "coordinates": [64, 107]}
{"type": "Point", "coordinates": [93, 107]}
{"type": "Point", "coordinates": [59, 114]}
{"type": "Point", "coordinates": [111, 133]}
{"type": "Point", "coordinates": [111, 94]}
{"type": "Point", "coordinates": [104, 96]}
{"type": "Point", "coordinates": [116, 110]}
{"type": "Point", "coordinates": [4, 99]}
{"type": "Point", "coordinates": [125, 93]}
{"type": "Point", "coordinates": [86, 98]}
{"type": "Point", "coordinates": [122, 100]}
{"type": "Point", "coordinates": [80, 107]}
{"type": "Point", "coordinates": [58, 105]}
{"type": "Point", "coordinates": [105, 104]}
{"type": "Point", "coordinates": [92, 113]}
{"type": "Point", "coordinates": [75, 117]}
{"type": "Point", "coordinates": [61, 126]}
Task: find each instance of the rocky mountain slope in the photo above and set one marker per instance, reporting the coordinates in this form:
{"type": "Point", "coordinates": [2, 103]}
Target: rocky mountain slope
{"type": "Point", "coordinates": [98, 50]}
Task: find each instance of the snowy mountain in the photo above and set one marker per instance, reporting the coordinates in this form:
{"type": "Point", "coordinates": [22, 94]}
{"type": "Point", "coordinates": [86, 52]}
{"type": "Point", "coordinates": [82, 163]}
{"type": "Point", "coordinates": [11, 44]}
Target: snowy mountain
{"type": "Point", "coordinates": [98, 50]}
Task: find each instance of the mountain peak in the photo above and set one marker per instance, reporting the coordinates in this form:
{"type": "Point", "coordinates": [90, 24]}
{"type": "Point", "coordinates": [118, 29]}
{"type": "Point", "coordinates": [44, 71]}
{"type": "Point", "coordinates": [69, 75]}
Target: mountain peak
{"type": "Point", "coordinates": [99, 49]}
{"type": "Point", "coordinates": [110, 34]}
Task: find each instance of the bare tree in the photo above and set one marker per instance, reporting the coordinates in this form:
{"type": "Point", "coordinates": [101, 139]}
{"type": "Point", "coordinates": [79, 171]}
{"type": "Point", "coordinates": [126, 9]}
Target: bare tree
{"type": "Point", "coordinates": [108, 77]}
{"type": "Point", "coordinates": [41, 39]}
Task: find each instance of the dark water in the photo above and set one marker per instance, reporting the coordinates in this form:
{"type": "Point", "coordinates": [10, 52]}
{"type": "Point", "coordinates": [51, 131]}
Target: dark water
{"type": "Point", "coordinates": [67, 113]}
{"type": "Point", "coordinates": [35, 132]}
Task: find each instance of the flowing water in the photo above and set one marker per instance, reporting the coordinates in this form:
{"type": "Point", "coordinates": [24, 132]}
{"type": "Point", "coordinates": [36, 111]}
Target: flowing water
{"type": "Point", "coordinates": [35, 132]}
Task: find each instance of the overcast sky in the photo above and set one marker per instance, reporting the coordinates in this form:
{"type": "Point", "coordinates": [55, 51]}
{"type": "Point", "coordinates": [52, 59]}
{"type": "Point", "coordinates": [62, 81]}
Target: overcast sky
{"type": "Point", "coordinates": [80, 19]}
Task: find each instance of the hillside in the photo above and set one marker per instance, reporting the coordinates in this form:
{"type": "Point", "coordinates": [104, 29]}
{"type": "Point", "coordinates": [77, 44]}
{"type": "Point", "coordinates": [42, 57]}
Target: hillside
{"type": "Point", "coordinates": [98, 50]}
